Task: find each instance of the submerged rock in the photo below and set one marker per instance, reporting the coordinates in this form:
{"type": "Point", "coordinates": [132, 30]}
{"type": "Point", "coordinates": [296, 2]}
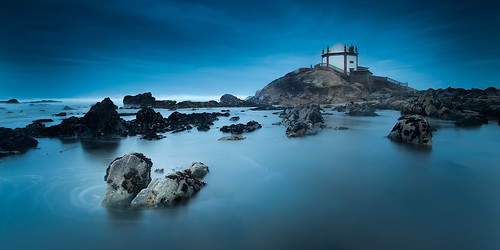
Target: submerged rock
{"type": "Point", "coordinates": [413, 129]}
{"type": "Point", "coordinates": [241, 128]}
{"type": "Point", "coordinates": [172, 188]}
{"type": "Point", "coordinates": [232, 138]}
{"type": "Point", "coordinates": [472, 120]}
{"type": "Point", "coordinates": [302, 120]}
{"type": "Point", "coordinates": [126, 176]}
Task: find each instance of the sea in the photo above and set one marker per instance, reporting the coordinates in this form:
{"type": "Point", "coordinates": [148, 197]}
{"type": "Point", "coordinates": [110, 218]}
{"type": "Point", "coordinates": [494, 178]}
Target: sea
{"type": "Point", "coordinates": [338, 189]}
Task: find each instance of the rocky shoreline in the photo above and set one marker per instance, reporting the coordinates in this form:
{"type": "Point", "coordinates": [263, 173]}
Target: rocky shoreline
{"type": "Point", "coordinates": [466, 108]}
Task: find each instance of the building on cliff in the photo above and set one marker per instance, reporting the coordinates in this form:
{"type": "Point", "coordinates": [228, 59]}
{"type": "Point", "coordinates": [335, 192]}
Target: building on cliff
{"type": "Point", "coordinates": [344, 60]}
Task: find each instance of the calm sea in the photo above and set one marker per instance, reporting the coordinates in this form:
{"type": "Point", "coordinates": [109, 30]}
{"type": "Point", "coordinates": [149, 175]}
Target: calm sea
{"type": "Point", "coordinates": [340, 189]}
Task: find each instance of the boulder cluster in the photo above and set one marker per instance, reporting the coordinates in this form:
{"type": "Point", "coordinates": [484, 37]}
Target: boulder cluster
{"type": "Point", "coordinates": [129, 183]}
{"type": "Point", "coordinates": [302, 120]}
{"type": "Point", "coordinates": [241, 128]}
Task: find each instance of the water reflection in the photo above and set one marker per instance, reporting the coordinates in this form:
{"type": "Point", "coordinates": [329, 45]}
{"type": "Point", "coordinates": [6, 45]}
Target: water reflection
{"type": "Point", "coordinates": [100, 148]}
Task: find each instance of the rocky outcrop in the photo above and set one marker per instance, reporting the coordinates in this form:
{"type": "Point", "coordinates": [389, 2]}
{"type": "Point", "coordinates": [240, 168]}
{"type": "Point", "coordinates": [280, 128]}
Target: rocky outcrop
{"type": "Point", "coordinates": [126, 176]}
{"type": "Point", "coordinates": [229, 100]}
{"type": "Point", "coordinates": [241, 128]}
{"type": "Point", "coordinates": [173, 188]}
{"type": "Point", "coordinates": [232, 138]}
{"type": "Point", "coordinates": [234, 118]}
{"type": "Point", "coordinates": [178, 122]}
{"type": "Point", "coordinates": [302, 120]}
{"type": "Point", "coordinates": [148, 123]}
{"type": "Point", "coordinates": [454, 104]}
{"type": "Point", "coordinates": [145, 99]}
{"type": "Point", "coordinates": [13, 141]}
{"type": "Point", "coordinates": [364, 109]}
{"type": "Point", "coordinates": [305, 86]}
{"type": "Point", "coordinates": [413, 129]}
{"type": "Point", "coordinates": [103, 119]}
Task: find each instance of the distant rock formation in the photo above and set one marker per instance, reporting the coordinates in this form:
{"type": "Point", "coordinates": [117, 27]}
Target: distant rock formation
{"type": "Point", "coordinates": [229, 100]}
{"type": "Point", "coordinates": [412, 129]}
{"type": "Point", "coordinates": [145, 99]}
{"type": "Point", "coordinates": [302, 120]}
{"type": "Point", "coordinates": [126, 176]}
{"type": "Point", "coordinates": [305, 86]}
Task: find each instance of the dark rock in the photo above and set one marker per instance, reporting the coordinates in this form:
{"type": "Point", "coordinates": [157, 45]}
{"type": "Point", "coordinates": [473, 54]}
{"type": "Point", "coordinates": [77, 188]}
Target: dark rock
{"type": "Point", "coordinates": [12, 101]}
{"type": "Point", "coordinates": [173, 188]}
{"type": "Point", "coordinates": [203, 127]}
{"type": "Point", "coordinates": [179, 121]}
{"type": "Point", "coordinates": [472, 120]}
{"type": "Point", "coordinates": [229, 100]}
{"type": "Point", "coordinates": [241, 128]}
{"type": "Point", "coordinates": [127, 114]}
{"type": "Point", "coordinates": [14, 141]}
{"type": "Point", "coordinates": [68, 108]}
{"type": "Point", "coordinates": [103, 119]}
{"type": "Point", "coordinates": [361, 110]}
{"type": "Point", "coordinates": [145, 99]}
{"type": "Point", "coordinates": [234, 118]}
{"type": "Point", "coordinates": [61, 114]}
{"type": "Point", "coordinates": [43, 120]}
{"type": "Point", "coordinates": [302, 120]}
{"type": "Point", "coordinates": [126, 176]}
{"type": "Point", "coordinates": [413, 129]}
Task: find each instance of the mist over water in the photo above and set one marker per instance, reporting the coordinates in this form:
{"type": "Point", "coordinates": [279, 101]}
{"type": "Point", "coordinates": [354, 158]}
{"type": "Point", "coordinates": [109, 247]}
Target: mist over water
{"type": "Point", "coordinates": [347, 189]}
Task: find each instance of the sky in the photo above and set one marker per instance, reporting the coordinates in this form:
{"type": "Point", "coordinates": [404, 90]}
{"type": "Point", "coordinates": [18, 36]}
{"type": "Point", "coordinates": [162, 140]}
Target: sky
{"type": "Point", "coordinates": [191, 49]}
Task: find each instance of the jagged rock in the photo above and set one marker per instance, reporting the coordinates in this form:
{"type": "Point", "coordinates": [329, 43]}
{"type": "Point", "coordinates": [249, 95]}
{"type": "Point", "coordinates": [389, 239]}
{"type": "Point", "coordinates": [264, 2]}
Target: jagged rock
{"type": "Point", "coordinates": [241, 128]}
{"type": "Point", "coordinates": [103, 119]}
{"type": "Point", "coordinates": [180, 122]}
{"type": "Point", "coordinates": [14, 141]}
{"type": "Point", "coordinates": [172, 188]}
{"type": "Point", "coordinates": [229, 100]}
{"type": "Point", "coordinates": [126, 176]}
{"type": "Point", "coordinates": [302, 120]}
{"type": "Point", "coordinates": [145, 99]}
{"type": "Point", "coordinates": [413, 129]}
{"type": "Point", "coordinates": [232, 138]}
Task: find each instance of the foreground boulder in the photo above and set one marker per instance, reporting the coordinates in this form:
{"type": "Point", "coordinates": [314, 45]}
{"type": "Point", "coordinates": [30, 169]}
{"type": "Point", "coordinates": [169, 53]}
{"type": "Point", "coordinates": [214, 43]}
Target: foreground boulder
{"type": "Point", "coordinates": [14, 141]}
{"type": "Point", "coordinates": [413, 129]}
{"type": "Point", "coordinates": [173, 188]}
{"type": "Point", "coordinates": [302, 120]}
{"type": "Point", "coordinates": [126, 176]}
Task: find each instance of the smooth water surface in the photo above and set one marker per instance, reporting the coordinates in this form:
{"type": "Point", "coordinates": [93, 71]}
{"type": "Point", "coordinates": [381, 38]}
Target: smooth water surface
{"type": "Point", "coordinates": [339, 189]}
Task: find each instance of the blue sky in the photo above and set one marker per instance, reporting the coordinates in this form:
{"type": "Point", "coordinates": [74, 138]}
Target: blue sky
{"type": "Point", "coordinates": [86, 48]}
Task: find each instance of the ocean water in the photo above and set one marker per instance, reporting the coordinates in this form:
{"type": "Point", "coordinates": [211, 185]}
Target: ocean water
{"type": "Point", "coordinates": [339, 189]}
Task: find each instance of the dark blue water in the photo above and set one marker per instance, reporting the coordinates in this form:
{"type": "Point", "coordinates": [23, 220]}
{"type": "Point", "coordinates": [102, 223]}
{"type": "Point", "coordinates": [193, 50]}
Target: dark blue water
{"type": "Point", "coordinates": [351, 189]}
